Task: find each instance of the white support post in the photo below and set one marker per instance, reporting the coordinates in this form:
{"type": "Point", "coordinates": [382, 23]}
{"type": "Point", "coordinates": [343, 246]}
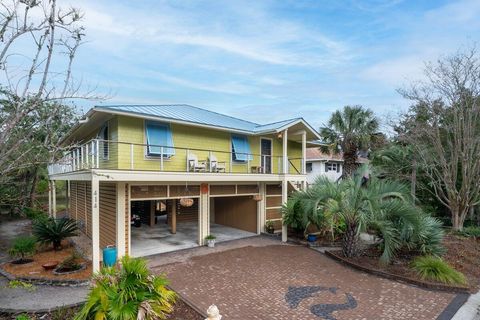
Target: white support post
{"type": "Point", "coordinates": [210, 161]}
{"type": "Point", "coordinates": [54, 200]}
{"type": "Point", "coordinates": [261, 209]}
{"type": "Point", "coordinates": [203, 218]}
{"type": "Point", "coordinates": [161, 158]}
{"type": "Point", "coordinates": [94, 153]}
{"type": "Point", "coordinates": [284, 201]}
{"type": "Point", "coordinates": [95, 225]}
{"type": "Point", "coordinates": [304, 152]}
{"type": "Point", "coordinates": [97, 153]}
{"type": "Point", "coordinates": [49, 198]}
{"type": "Point", "coordinates": [285, 151]}
{"type": "Point", "coordinates": [121, 228]}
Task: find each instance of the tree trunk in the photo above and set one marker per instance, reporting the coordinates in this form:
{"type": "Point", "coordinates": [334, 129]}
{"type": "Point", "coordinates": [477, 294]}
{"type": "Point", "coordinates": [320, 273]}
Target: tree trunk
{"type": "Point", "coordinates": [350, 239]}
{"type": "Point", "coordinates": [349, 160]}
{"type": "Point", "coordinates": [413, 186]}
{"type": "Point", "coordinates": [33, 187]}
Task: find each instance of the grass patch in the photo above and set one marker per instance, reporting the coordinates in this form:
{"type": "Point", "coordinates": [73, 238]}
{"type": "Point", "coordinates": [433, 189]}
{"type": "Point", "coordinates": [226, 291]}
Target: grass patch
{"type": "Point", "coordinates": [433, 268]}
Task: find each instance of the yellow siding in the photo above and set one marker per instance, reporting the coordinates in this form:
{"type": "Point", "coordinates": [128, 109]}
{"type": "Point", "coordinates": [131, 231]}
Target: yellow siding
{"type": "Point", "coordinates": [130, 133]}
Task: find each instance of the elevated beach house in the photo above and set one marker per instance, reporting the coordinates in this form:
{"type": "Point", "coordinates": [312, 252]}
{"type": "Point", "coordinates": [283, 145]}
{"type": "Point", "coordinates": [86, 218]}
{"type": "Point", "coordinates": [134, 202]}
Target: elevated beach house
{"type": "Point", "coordinates": [155, 178]}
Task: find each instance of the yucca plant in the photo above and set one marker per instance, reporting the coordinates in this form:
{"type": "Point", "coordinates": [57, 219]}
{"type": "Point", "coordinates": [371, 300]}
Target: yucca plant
{"type": "Point", "coordinates": [54, 231]}
{"type": "Point", "coordinates": [434, 268]}
{"type": "Point", "coordinates": [22, 248]}
{"type": "Point", "coordinates": [129, 292]}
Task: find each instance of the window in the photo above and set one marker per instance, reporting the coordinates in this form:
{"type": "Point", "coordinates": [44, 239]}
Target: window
{"type": "Point", "coordinates": [332, 166]}
{"type": "Point", "coordinates": [103, 137]}
{"type": "Point", "coordinates": [159, 139]}
{"type": "Point", "coordinates": [241, 149]}
{"type": "Point", "coordinates": [309, 167]}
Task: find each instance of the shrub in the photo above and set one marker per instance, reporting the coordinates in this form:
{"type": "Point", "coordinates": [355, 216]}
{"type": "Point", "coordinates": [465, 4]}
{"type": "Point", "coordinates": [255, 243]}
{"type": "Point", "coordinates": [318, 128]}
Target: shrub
{"type": "Point", "coordinates": [70, 263]}
{"type": "Point", "coordinates": [22, 247]}
{"type": "Point", "coordinates": [472, 231]}
{"type": "Point", "coordinates": [210, 237]}
{"type": "Point", "coordinates": [434, 268]}
{"type": "Point", "coordinates": [35, 214]}
{"type": "Point", "coordinates": [130, 292]}
{"type": "Point", "coordinates": [53, 231]}
{"type": "Point", "coordinates": [22, 317]}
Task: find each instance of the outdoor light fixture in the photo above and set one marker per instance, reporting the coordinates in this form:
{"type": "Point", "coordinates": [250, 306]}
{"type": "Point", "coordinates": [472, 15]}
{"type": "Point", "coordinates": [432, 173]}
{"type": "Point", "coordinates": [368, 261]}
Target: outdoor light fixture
{"type": "Point", "coordinates": [280, 135]}
{"type": "Point", "coordinates": [257, 197]}
{"type": "Point", "coordinates": [186, 202]}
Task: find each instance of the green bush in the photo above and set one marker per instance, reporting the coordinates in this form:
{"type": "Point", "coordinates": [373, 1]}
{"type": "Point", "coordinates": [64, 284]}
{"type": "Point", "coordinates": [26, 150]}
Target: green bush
{"type": "Point", "coordinates": [131, 292]}
{"type": "Point", "coordinates": [22, 317]}
{"type": "Point", "coordinates": [35, 214]}
{"type": "Point", "coordinates": [471, 232]}
{"type": "Point", "coordinates": [70, 263]}
{"type": "Point", "coordinates": [434, 268]}
{"type": "Point", "coordinates": [22, 248]}
{"type": "Point", "coordinates": [53, 231]}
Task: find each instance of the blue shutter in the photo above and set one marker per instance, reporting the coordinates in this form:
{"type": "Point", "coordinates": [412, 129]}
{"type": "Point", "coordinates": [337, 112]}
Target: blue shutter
{"type": "Point", "coordinates": [241, 148]}
{"type": "Point", "coordinates": [159, 135]}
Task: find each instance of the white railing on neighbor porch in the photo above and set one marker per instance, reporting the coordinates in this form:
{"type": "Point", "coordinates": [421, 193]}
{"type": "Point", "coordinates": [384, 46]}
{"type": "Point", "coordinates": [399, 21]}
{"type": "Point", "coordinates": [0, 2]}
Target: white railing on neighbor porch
{"type": "Point", "coordinates": [103, 154]}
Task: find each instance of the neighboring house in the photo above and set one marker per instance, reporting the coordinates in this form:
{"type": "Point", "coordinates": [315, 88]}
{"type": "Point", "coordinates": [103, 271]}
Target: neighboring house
{"type": "Point", "coordinates": [157, 178]}
{"type": "Point", "coordinates": [325, 164]}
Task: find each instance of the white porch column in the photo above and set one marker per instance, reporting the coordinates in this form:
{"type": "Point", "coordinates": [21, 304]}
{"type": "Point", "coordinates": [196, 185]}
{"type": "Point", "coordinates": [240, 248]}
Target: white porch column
{"type": "Point", "coordinates": [95, 225]}
{"type": "Point", "coordinates": [121, 232]}
{"type": "Point", "coordinates": [285, 151]}
{"type": "Point", "coordinates": [54, 199]}
{"type": "Point", "coordinates": [284, 200]}
{"type": "Point", "coordinates": [304, 152]}
{"type": "Point", "coordinates": [261, 209]}
{"type": "Point", "coordinates": [203, 217]}
{"type": "Point", "coordinates": [50, 198]}
{"type": "Point", "coordinates": [284, 181]}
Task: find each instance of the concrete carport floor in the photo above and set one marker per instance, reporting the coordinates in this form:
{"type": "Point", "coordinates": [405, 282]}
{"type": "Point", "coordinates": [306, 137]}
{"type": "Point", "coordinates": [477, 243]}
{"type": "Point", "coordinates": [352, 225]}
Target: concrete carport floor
{"type": "Point", "coordinates": [157, 239]}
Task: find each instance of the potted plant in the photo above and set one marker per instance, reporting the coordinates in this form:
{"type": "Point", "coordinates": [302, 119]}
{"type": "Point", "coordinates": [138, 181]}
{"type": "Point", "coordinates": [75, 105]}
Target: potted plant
{"type": "Point", "coordinates": [269, 227]}
{"type": "Point", "coordinates": [210, 240]}
{"type": "Point", "coordinates": [22, 248]}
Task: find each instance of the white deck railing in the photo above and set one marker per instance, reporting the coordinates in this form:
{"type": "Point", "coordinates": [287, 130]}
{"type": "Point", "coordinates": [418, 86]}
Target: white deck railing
{"type": "Point", "coordinates": [103, 154]}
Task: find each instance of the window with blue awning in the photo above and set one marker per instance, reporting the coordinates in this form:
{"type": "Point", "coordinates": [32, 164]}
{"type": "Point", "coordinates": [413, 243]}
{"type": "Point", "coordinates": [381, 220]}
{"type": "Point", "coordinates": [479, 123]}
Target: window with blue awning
{"type": "Point", "coordinates": [241, 148]}
{"type": "Point", "coordinates": [159, 135]}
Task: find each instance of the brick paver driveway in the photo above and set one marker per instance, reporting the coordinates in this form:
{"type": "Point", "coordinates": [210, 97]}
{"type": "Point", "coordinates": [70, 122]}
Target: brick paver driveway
{"type": "Point", "coordinates": [259, 278]}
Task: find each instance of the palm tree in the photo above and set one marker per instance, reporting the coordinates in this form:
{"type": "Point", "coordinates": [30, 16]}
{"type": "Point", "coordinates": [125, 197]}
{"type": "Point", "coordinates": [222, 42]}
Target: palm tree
{"type": "Point", "coordinates": [129, 292]}
{"type": "Point", "coordinates": [349, 131]}
{"type": "Point", "coordinates": [381, 206]}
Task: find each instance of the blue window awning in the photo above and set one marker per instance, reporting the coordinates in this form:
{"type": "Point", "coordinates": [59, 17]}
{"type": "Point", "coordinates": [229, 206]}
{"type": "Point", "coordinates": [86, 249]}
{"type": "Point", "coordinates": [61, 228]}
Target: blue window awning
{"type": "Point", "coordinates": [241, 148]}
{"type": "Point", "coordinates": [159, 135]}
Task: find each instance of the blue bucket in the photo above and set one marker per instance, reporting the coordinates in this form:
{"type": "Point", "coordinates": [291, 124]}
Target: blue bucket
{"type": "Point", "coordinates": [109, 256]}
{"type": "Point", "coordinates": [311, 238]}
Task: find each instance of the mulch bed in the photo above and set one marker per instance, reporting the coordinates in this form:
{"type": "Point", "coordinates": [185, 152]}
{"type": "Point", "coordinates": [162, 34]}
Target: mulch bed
{"type": "Point", "coordinates": [35, 269]}
{"type": "Point", "coordinates": [322, 241]}
{"type": "Point", "coordinates": [182, 311]}
{"type": "Point", "coordinates": [462, 253]}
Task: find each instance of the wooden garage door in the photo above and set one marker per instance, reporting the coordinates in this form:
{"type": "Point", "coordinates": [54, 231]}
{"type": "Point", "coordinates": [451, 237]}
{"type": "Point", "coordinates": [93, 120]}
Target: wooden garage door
{"type": "Point", "coordinates": [236, 212]}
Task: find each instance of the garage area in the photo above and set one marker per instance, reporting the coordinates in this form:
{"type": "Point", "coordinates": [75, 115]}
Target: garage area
{"type": "Point", "coordinates": [159, 226]}
{"type": "Point", "coordinates": [165, 225]}
{"type": "Point", "coordinates": [233, 217]}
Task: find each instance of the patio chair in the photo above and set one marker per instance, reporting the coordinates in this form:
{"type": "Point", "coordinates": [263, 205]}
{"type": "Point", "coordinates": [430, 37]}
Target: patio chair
{"type": "Point", "coordinates": [195, 165]}
{"type": "Point", "coordinates": [215, 165]}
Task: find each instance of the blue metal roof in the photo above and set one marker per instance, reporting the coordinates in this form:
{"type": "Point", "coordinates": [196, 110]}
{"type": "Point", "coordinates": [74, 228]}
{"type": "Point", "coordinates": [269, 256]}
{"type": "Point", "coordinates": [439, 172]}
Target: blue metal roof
{"type": "Point", "coordinates": [197, 115]}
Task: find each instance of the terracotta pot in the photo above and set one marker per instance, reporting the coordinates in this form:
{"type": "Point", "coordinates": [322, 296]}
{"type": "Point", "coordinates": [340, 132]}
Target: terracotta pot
{"type": "Point", "coordinates": [50, 265]}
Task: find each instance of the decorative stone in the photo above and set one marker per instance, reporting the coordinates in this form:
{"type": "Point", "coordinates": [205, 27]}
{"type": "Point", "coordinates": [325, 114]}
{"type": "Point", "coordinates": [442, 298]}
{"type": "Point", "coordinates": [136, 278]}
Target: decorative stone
{"type": "Point", "coordinates": [213, 313]}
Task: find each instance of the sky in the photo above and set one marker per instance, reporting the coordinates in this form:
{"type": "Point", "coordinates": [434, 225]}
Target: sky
{"type": "Point", "coordinates": [266, 61]}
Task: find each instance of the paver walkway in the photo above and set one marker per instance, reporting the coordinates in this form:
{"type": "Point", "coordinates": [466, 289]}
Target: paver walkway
{"type": "Point", "coordinates": [259, 278]}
